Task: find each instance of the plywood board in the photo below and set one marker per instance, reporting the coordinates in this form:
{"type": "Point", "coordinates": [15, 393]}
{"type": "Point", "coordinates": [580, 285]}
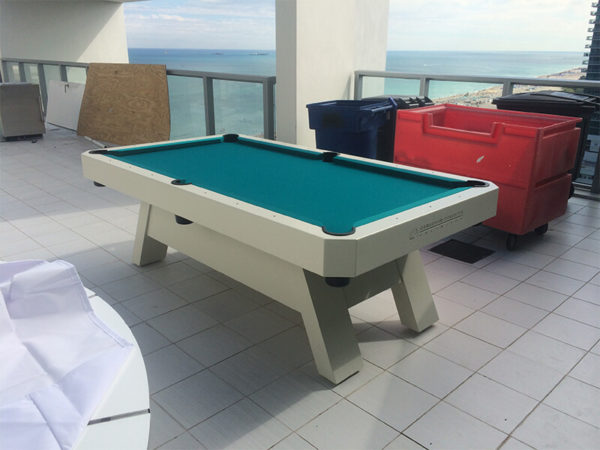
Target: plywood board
{"type": "Point", "coordinates": [64, 103]}
{"type": "Point", "coordinates": [125, 104]}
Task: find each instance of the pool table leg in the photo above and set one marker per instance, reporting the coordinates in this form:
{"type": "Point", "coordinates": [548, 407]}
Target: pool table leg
{"type": "Point", "coordinates": [412, 294]}
{"type": "Point", "coordinates": [330, 332]}
{"type": "Point", "coordinates": [146, 250]}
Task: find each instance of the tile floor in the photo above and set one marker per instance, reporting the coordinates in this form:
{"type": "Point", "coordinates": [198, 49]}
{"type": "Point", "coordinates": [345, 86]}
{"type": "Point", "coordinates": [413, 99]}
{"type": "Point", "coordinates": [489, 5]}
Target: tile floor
{"type": "Point", "coordinates": [514, 361]}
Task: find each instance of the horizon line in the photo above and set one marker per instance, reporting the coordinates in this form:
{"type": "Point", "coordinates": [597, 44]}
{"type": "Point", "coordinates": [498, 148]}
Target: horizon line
{"type": "Point", "coordinates": [389, 50]}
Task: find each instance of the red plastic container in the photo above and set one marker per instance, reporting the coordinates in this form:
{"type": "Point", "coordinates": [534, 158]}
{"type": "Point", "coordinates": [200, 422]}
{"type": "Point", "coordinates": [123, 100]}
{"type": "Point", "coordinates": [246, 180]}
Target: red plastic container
{"type": "Point", "coordinates": [527, 155]}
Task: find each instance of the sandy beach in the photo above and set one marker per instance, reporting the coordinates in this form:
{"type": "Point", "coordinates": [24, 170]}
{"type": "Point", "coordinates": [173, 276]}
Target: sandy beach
{"type": "Point", "coordinates": [484, 97]}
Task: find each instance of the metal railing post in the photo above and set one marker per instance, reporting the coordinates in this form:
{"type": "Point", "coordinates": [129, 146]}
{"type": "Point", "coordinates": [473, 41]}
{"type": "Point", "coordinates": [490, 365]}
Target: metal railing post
{"type": "Point", "coordinates": [209, 105]}
{"type": "Point", "coordinates": [507, 87]}
{"type": "Point", "coordinates": [269, 108]}
{"type": "Point", "coordinates": [358, 86]}
{"type": "Point", "coordinates": [424, 86]}
{"type": "Point", "coordinates": [22, 76]}
{"type": "Point", "coordinates": [63, 72]}
{"type": "Point", "coordinates": [43, 86]}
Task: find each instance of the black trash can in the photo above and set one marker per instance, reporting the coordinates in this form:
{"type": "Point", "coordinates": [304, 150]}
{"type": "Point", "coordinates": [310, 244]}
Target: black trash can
{"type": "Point", "coordinates": [387, 133]}
{"type": "Point", "coordinates": [349, 126]}
{"type": "Point", "coordinates": [558, 103]}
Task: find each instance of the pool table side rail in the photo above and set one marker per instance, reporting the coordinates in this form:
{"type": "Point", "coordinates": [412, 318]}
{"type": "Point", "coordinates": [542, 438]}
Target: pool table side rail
{"type": "Point", "coordinates": [293, 240]}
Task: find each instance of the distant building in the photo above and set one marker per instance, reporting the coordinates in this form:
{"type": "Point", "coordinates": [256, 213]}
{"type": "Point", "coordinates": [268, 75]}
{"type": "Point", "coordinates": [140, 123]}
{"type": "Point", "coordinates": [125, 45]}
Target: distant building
{"type": "Point", "coordinates": [589, 170]}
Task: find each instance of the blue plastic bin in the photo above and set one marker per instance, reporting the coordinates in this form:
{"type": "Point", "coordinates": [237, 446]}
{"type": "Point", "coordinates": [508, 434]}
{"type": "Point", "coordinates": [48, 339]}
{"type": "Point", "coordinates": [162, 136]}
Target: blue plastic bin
{"type": "Point", "coordinates": [349, 126]}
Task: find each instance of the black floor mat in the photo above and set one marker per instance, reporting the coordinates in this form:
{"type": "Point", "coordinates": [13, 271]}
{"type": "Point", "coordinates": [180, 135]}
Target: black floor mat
{"type": "Point", "coordinates": [462, 251]}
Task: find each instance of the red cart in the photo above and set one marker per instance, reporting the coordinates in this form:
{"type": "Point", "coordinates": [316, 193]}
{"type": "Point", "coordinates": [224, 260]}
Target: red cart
{"type": "Point", "coordinates": [528, 155]}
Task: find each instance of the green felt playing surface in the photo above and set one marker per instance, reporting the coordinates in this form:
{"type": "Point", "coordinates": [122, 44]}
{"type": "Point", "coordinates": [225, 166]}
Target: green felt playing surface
{"type": "Point", "coordinates": [337, 195]}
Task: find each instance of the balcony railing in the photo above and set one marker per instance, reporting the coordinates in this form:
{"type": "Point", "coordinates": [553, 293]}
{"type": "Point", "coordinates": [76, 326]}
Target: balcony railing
{"type": "Point", "coordinates": [41, 72]}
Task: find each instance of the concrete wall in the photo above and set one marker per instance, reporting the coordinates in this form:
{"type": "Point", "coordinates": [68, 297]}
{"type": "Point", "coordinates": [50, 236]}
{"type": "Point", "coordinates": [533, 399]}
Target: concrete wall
{"type": "Point", "coordinates": [74, 31]}
{"type": "Point", "coordinates": [319, 46]}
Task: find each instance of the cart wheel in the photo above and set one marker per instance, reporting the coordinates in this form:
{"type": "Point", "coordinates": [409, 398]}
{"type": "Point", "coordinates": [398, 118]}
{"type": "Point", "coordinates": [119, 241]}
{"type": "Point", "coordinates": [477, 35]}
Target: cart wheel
{"type": "Point", "coordinates": [571, 190]}
{"type": "Point", "coordinates": [541, 229]}
{"type": "Point", "coordinates": [511, 241]}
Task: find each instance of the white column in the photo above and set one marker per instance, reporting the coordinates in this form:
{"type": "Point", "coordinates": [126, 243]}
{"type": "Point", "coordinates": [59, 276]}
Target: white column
{"type": "Point", "coordinates": [320, 43]}
{"type": "Point", "coordinates": [73, 31]}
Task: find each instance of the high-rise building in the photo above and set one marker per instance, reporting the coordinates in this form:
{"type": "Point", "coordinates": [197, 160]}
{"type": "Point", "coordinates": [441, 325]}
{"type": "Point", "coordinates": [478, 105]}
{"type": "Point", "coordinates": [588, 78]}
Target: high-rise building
{"type": "Point", "coordinates": [589, 172]}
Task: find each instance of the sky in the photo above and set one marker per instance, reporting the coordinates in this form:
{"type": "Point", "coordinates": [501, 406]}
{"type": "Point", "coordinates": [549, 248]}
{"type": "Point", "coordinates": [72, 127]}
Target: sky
{"type": "Point", "coordinates": [466, 25]}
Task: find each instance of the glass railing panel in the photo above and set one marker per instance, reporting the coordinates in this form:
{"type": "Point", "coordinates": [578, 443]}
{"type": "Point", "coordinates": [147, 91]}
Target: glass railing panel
{"type": "Point", "coordinates": [464, 93]}
{"type": "Point", "coordinates": [12, 72]}
{"type": "Point", "coordinates": [238, 107]}
{"type": "Point", "coordinates": [186, 100]}
{"type": "Point", "coordinates": [76, 74]}
{"type": "Point", "coordinates": [398, 86]}
{"type": "Point", "coordinates": [31, 73]}
{"type": "Point", "coordinates": [51, 72]}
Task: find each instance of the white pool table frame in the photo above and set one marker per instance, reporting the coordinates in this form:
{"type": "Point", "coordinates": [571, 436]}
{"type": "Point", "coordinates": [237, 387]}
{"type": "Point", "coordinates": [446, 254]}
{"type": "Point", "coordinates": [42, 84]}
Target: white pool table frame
{"type": "Point", "coordinates": [288, 259]}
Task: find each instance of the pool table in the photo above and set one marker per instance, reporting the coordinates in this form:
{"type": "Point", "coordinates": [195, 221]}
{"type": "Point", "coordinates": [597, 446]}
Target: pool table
{"type": "Point", "coordinates": [315, 230]}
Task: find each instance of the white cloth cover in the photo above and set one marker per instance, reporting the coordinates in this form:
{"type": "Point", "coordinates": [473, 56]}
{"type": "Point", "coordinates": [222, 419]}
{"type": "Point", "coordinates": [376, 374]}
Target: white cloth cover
{"type": "Point", "coordinates": [57, 359]}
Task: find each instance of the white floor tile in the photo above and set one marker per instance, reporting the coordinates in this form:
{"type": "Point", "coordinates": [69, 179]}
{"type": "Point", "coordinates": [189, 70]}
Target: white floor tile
{"type": "Point", "coordinates": [155, 303]}
{"type": "Point", "coordinates": [109, 272]}
{"type": "Point", "coordinates": [490, 329]}
{"type": "Point", "coordinates": [494, 404]}
{"type": "Point", "coordinates": [183, 441]}
{"type": "Point", "coordinates": [513, 444]}
{"type": "Point", "coordinates": [577, 399]}
{"type": "Point", "coordinates": [172, 273]}
{"type": "Point", "coordinates": [489, 281]}
{"type": "Point", "coordinates": [367, 372]}
{"type": "Point", "coordinates": [465, 350]}
{"type": "Point", "coordinates": [583, 255]}
{"type": "Point", "coordinates": [547, 351]}
{"type": "Point", "coordinates": [130, 287]}
{"type": "Point", "coordinates": [226, 305]}
{"type": "Point", "coordinates": [182, 322]}
{"type": "Point", "coordinates": [197, 288]}
{"type": "Point", "coordinates": [536, 296]}
{"type": "Point", "coordinates": [522, 374]}
{"type": "Point", "coordinates": [403, 443]}
{"type": "Point", "coordinates": [554, 282]}
{"type": "Point", "coordinates": [581, 311]}
{"type": "Point", "coordinates": [249, 370]}
{"type": "Point", "coordinates": [549, 428]}
{"type": "Point", "coordinates": [259, 325]}
{"type": "Point", "coordinates": [393, 326]}
{"type": "Point", "coordinates": [293, 442]}
{"type": "Point", "coordinates": [383, 349]}
{"type": "Point", "coordinates": [214, 345]}
{"type": "Point", "coordinates": [347, 427]}
{"type": "Point", "coordinates": [529, 258]}
{"type": "Point", "coordinates": [431, 372]}
{"type": "Point", "coordinates": [393, 401]}
{"type": "Point", "coordinates": [163, 427]}
{"type": "Point", "coordinates": [569, 331]}
{"type": "Point", "coordinates": [451, 312]}
{"type": "Point", "coordinates": [295, 399]}
{"type": "Point", "coordinates": [590, 293]}
{"type": "Point", "coordinates": [588, 370]}
{"type": "Point", "coordinates": [515, 312]}
{"type": "Point", "coordinates": [467, 295]}
{"type": "Point", "coordinates": [197, 398]}
{"type": "Point", "coordinates": [291, 347]}
{"type": "Point", "coordinates": [375, 309]}
{"type": "Point", "coordinates": [511, 269]}
{"type": "Point", "coordinates": [167, 366]}
{"type": "Point", "coordinates": [572, 269]}
{"type": "Point", "coordinates": [446, 427]}
{"type": "Point", "coordinates": [148, 339]}
{"type": "Point", "coordinates": [243, 425]}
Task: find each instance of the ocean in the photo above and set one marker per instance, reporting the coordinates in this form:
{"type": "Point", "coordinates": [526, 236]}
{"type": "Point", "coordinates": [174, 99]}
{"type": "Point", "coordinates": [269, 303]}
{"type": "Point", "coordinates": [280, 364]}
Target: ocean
{"type": "Point", "coordinates": [238, 106]}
